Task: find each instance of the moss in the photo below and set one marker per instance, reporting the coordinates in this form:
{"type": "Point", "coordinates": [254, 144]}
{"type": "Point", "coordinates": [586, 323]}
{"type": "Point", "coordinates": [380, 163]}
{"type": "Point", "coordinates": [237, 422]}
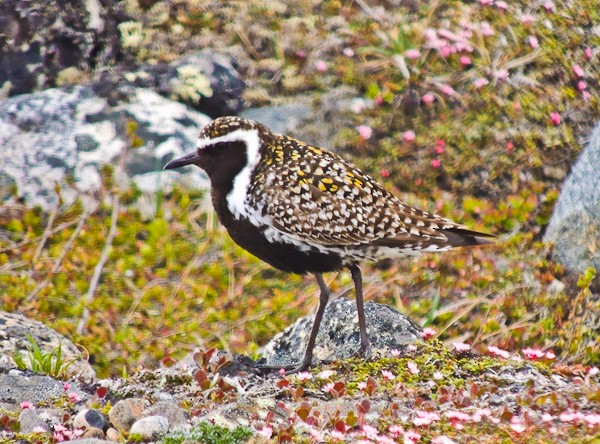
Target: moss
{"type": "Point", "coordinates": [207, 433]}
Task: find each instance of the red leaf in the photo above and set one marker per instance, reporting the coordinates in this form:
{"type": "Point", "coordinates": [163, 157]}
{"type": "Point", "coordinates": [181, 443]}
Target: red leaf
{"type": "Point", "coordinates": [101, 392]}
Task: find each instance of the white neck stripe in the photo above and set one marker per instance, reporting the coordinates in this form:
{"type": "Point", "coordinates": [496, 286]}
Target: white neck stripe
{"type": "Point", "coordinates": [237, 196]}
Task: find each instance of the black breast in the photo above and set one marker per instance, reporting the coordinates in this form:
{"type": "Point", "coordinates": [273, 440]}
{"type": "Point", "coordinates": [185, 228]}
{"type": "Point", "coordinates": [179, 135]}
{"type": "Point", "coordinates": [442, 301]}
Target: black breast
{"type": "Point", "coordinates": [283, 256]}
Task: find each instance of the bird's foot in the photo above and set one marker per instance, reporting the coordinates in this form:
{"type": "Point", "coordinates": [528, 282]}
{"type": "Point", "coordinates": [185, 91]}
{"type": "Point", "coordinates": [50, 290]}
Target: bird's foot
{"type": "Point", "coordinates": [289, 369]}
{"type": "Point", "coordinates": [365, 350]}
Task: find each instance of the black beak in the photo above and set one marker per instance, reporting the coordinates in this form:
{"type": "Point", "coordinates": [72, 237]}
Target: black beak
{"type": "Point", "coordinates": [188, 159]}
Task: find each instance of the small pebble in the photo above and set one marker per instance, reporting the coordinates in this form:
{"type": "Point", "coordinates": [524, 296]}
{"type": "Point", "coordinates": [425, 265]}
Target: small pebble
{"type": "Point", "coordinates": [125, 412]}
{"type": "Point", "coordinates": [170, 410]}
{"type": "Point", "coordinates": [87, 418]}
{"type": "Point", "coordinates": [113, 435]}
{"type": "Point", "coordinates": [150, 427]}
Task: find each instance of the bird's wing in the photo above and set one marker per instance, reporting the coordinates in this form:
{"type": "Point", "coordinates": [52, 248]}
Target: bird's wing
{"type": "Point", "coordinates": [330, 202]}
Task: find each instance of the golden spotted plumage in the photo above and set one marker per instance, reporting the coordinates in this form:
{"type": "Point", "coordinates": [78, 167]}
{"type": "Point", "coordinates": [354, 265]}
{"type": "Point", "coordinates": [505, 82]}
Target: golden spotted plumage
{"type": "Point", "coordinates": [312, 194]}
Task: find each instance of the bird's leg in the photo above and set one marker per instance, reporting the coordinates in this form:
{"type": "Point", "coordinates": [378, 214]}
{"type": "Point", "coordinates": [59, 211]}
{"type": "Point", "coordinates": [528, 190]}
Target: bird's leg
{"type": "Point", "coordinates": [308, 354]}
{"type": "Point", "coordinates": [365, 344]}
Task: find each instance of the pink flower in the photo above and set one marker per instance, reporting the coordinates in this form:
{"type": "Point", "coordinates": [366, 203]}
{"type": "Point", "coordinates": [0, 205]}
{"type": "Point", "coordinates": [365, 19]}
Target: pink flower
{"type": "Point", "coordinates": [364, 131]}
{"type": "Point", "coordinates": [550, 354]}
{"type": "Point", "coordinates": [325, 374]}
{"type": "Point", "coordinates": [461, 346]}
{"type": "Point", "coordinates": [348, 52]}
{"type": "Point", "coordinates": [425, 418]}
{"type": "Point", "coordinates": [447, 89]}
{"type": "Point", "coordinates": [592, 419]}
{"type": "Point", "coordinates": [282, 371]}
{"type": "Point", "coordinates": [485, 2]}
{"type": "Point", "coordinates": [486, 29]}
{"type": "Point", "coordinates": [361, 385]}
{"type": "Point", "coordinates": [532, 353]}
{"type": "Point", "coordinates": [429, 332]}
{"type": "Point", "coordinates": [388, 375]}
{"type": "Point", "coordinates": [578, 70]}
{"type": "Point", "coordinates": [411, 348]}
{"type": "Point", "coordinates": [549, 6]}
{"type": "Point", "coordinates": [304, 376]}
{"type": "Point", "coordinates": [480, 82]}
{"type": "Point", "coordinates": [265, 432]}
{"type": "Point", "coordinates": [442, 439]}
{"type": "Point", "coordinates": [465, 60]}
{"type": "Point", "coordinates": [395, 431]}
{"type": "Point", "coordinates": [547, 417]}
{"type": "Point", "coordinates": [395, 352]}
{"type": "Point", "coordinates": [517, 106]}
{"type": "Point", "coordinates": [436, 163]}
{"type": "Point", "coordinates": [385, 173]}
{"type": "Point", "coordinates": [555, 117]}
{"type": "Point", "coordinates": [498, 352]}
{"type": "Point", "coordinates": [588, 53]}
{"type": "Point", "coordinates": [412, 367]}
{"type": "Point", "coordinates": [518, 428]}
{"type": "Point", "coordinates": [501, 74]}
{"type": "Point", "coordinates": [581, 85]}
{"type": "Point", "coordinates": [533, 41]}
{"type": "Point", "coordinates": [320, 66]}
{"type": "Point", "coordinates": [593, 371]}
{"type": "Point", "coordinates": [570, 417]}
{"type": "Point", "coordinates": [428, 98]}
{"type": "Point", "coordinates": [358, 105]}
{"type": "Point", "coordinates": [447, 51]}
{"type": "Point", "coordinates": [527, 19]}
{"type": "Point", "coordinates": [39, 429]}
{"type": "Point", "coordinates": [412, 54]}
{"type": "Point", "coordinates": [27, 405]}
{"type": "Point", "coordinates": [438, 375]}
{"type": "Point", "coordinates": [439, 149]}
{"type": "Point", "coordinates": [316, 435]}
{"type": "Point", "coordinates": [501, 5]}
{"type": "Point", "coordinates": [411, 437]}
{"type": "Point", "coordinates": [336, 434]}
{"type": "Point", "coordinates": [586, 95]}
{"type": "Point", "coordinates": [66, 386]}
{"type": "Point", "coordinates": [370, 431]}
{"type": "Point", "coordinates": [408, 136]}
{"type": "Point", "coordinates": [74, 397]}
{"type": "Point", "coordinates": [455, 415]}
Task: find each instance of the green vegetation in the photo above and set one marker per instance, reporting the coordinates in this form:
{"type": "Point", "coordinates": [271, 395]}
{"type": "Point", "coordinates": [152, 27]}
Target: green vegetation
{"type": "Point", "coordinates": [209, 434]}
{"type": "Point", "coordinates": [50, 363]}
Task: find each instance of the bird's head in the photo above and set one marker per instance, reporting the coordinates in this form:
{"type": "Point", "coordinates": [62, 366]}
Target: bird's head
{"type": "Point", "coordinates": [225, 146]}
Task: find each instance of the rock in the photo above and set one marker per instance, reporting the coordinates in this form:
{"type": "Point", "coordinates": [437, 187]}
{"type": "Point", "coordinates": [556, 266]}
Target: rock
{"type": "Point", "coordinates": [170, 410]}
{"type": "Point", "coordinates": [284, 119]}
{"type": "Point", "coordinates": [113, 435]}
{"type": "Point", "coordinates": [93, 432]}
{"type": "Point", "coordinates": [90, 418]}
{"type": "Point", "coordinates": [40, 40]}
{"type": "Point", "coordinates": [206, 80]}
{"type": "Point", "coordinates": [17, 386]}
{"type": "Point", "coordinates": [126, 412]}
{"type": "Point", "coordinates": [90, 441]}
{"type": "Point", "coordinates": [575, 224]}
{"type": "Point", "coordinates": [47, 136]}
{"type": "Point", "coordinates": [338, 336]}
{"type": "Point", "coordinates": [150, 427]}
{"type": "Point", "coordinates": [29, 420]}
{"type": "Point", "coordinates": [13, 330]}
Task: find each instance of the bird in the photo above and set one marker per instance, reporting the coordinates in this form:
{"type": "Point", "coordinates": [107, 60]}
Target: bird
{"type": "Point", "coordinates": [305, 210]}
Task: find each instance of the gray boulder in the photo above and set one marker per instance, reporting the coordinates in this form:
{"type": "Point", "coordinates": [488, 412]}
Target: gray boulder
{"type": "Point", "coordinates": [14, 329]}
{"type": "Point", "coordinates": [50, 136]}
{"type": "Point", "coordinates": [574, 228]}
{"type": "Point", "coordinates": [205, 80]}
{"type": "Point", "coordinates": [41, 39]}
{"type": "Point", "coordinates": [338, 335]}
{"type": "Point", "coordinates": [19, 386]}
